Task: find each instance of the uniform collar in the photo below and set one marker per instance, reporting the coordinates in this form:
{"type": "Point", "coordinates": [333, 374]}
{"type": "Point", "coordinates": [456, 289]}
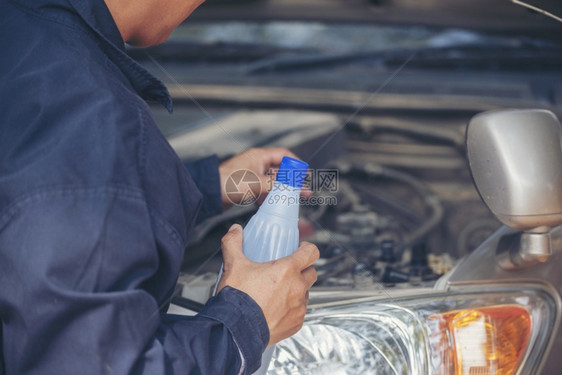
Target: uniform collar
{"type": "Point", "coordinates": [97, 16]}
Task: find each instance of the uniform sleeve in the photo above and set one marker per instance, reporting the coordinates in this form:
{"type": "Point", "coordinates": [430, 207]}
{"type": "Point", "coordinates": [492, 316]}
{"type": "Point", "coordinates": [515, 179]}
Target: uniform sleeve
{"type": "Point", "coordinates": [205, 174]}
{"type": "Point", "coordinates": [230, 321]}
{"type": "Point", "coordinates": [2, 371]}
{"type": "Point", "coordinates": [76, 268]}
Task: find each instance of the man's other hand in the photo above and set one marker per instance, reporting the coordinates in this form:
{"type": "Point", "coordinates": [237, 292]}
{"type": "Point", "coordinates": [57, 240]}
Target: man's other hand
{"type": "Point", "coordinates": [259, 161]}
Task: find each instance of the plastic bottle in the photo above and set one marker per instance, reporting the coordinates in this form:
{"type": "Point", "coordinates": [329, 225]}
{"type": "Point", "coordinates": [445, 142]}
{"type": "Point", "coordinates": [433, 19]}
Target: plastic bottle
{"type": "Point", "coordinates": [272, 232]}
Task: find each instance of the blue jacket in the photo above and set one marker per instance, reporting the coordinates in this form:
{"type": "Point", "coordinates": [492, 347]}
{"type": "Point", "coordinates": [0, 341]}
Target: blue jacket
{"type": "Point", "coordinates": [96, 210]}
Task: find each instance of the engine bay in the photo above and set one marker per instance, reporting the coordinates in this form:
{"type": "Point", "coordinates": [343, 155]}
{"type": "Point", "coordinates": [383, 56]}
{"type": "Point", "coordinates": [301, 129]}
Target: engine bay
{"type": "Point", "coordinates": [394, 205]}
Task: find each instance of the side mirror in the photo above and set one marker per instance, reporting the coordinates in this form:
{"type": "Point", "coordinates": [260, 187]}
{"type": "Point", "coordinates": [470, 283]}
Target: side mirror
{"type": "Point", "coordinates": [515, 157]}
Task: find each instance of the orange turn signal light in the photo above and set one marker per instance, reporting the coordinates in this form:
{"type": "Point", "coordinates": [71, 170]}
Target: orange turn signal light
{"type": "Point", "coordinates": [482, 341]}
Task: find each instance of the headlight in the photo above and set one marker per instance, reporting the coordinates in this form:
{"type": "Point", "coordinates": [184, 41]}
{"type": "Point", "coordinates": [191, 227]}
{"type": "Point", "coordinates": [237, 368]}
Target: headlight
{"type": "Point", "coordinates": [466, 331]}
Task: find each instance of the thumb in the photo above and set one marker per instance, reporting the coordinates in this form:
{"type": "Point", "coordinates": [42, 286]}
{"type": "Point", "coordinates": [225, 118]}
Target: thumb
{"type": "Point", "coordinates": [304, 256]}
{"type": "Point", "coordinates": [231, 245]}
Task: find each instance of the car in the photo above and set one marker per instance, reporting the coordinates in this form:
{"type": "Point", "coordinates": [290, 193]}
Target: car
{"type": "Point", "coordinates": [432, 133]}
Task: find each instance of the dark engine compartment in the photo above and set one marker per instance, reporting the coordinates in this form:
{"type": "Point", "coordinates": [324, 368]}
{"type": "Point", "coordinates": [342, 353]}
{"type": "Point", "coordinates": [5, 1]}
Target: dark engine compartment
{"type": "Point", "coordinates": [394, 204]}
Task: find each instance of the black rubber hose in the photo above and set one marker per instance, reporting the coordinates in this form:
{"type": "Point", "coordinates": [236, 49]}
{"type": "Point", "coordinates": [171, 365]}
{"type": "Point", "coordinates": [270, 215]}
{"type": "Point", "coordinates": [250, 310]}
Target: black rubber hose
{"type": "Point", "coordinates": [429, 199]}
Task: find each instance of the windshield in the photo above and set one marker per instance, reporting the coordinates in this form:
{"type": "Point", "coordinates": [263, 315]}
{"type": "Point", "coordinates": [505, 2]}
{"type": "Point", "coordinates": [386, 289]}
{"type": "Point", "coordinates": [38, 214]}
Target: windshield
{"type": "Point", "coordinates": [367, 58]}
{"type": "Point", "coordinates": [328, 38]}
{"type": "Point", "coordinates": [341, 38]}
{"type": "Point", "coordinates": [272, 46]}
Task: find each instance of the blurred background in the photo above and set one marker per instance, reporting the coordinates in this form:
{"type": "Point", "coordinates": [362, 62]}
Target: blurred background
{"type": "Point", "coordinates": [380, 91]}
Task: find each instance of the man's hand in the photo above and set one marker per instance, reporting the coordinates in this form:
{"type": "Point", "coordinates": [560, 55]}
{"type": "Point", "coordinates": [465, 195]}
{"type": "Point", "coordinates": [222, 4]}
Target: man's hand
{"type": "Point", "coordinates": [279, 287]}
{"type": "Point", "coordinates": [258, 161]}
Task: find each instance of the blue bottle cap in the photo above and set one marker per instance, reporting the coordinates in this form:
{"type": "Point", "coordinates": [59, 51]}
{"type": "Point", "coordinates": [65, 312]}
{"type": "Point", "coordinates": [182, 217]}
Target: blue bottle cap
{"type": "Point", "coordinates": [292, 172]}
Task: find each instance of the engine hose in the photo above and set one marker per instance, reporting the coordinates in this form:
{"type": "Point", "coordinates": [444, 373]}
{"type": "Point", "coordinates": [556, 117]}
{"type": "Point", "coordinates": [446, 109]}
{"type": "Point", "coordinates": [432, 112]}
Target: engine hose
{"type": "Point", "coordinates": [429, 199]}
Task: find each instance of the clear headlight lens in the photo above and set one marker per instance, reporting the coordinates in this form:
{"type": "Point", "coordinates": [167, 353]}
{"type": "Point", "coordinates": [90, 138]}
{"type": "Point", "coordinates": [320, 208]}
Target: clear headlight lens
{"type": "Point", "coordinates": [463, 332]}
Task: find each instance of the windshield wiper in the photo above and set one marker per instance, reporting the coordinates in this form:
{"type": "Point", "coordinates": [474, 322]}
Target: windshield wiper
{"type": "Point", "coordinates": [475, 56]}
{"type": "Point", "coordinates": [263, 58]}
{"type": "Point", "coordinates": [189, 52]}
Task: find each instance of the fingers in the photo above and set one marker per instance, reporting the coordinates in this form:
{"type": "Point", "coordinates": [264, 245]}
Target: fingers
{"type": "Point", "coordinates": [306, 192]}
{"type": "Point", "coordinates": [310, 276]}
{"type": "Point", "coordinates": [265, 157]}
{"type": "Point", "coordinates": [304, 256]}
{"type": "Point", "coordinates": [232, 247]}
{"type": "Point", "coordinates": [231, 244]}
{"type": "Point", "coordinates": [258, 160]}
{"type": "Point", "coordinates": [273, 156]}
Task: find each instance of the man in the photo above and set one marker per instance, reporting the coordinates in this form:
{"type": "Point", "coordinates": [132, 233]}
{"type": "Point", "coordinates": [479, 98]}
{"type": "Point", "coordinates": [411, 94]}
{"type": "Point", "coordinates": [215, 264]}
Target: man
{"type": "Point", "coordinates": [96, 209]}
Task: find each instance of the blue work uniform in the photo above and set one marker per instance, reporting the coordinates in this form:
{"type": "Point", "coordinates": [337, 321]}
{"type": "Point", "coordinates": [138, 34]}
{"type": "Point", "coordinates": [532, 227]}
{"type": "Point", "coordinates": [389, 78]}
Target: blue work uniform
{"type": "Point", "coordinates": [96, 211]}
